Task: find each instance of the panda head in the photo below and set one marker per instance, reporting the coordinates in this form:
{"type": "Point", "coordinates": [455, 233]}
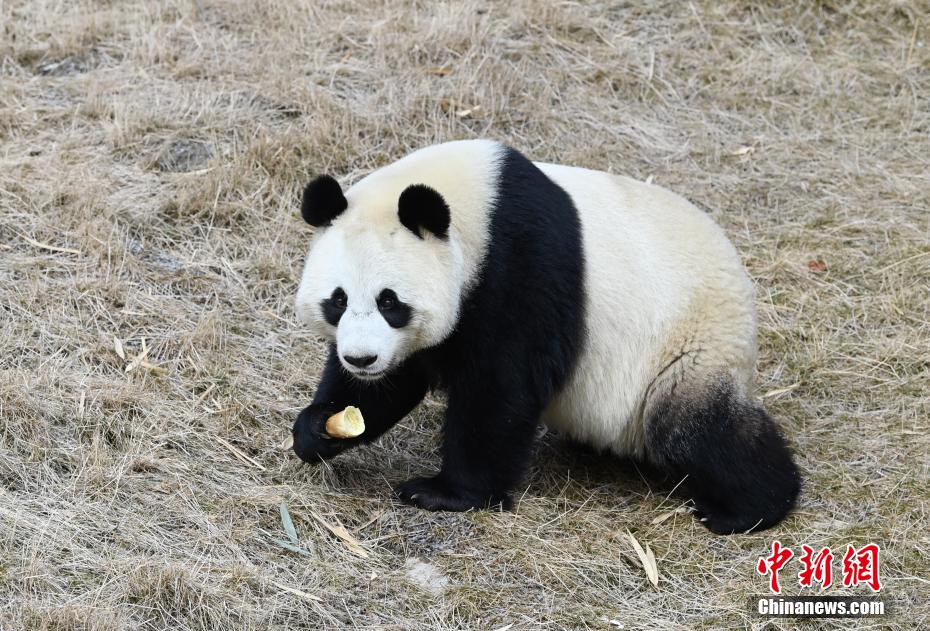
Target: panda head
{"type": "Point", "coordinates": [384, 276]}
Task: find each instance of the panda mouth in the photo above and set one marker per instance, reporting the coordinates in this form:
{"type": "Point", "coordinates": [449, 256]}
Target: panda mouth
{"type": "Point", "coordinates": [369, 374]}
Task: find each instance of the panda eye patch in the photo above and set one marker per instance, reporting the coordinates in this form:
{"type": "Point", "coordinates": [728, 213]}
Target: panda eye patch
{"type": "Point", "coordinates": [395, 312]}
{"type": "Point", "coordinates": [387, 300]}
{"type": "Point", "coordinates": [339, 298]}
{"type": "Point", "coordinates": [334, 306]}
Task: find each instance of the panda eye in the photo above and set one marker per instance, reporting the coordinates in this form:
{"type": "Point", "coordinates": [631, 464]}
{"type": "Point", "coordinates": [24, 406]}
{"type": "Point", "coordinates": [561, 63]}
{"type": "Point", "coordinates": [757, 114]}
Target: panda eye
{"type": "Point", "coordinates": [395, 311]}
{"type": "Point", "coordinates": [339, 298]}
{"type": "Point", "coordinates": [387, 300]}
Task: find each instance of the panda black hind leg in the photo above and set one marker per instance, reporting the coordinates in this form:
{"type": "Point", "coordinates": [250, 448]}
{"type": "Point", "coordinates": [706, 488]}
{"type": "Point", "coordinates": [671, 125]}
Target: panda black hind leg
{"type": "Point", "coordinates": [734, 460]}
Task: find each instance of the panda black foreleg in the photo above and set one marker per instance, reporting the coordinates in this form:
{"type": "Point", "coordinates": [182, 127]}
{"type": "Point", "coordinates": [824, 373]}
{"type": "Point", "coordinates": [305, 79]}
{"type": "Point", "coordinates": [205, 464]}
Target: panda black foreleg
{"type": "Point", "coordinates": [487, 445]}
{"type": "Point", "coordinates": [382, 403]}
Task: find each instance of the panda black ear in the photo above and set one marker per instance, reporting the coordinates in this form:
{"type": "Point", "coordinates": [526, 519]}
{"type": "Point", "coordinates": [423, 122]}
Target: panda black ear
{"type": "Point", "coordinates": [421, 207]}
{"type": "Point", "coordinates": [323, 201]}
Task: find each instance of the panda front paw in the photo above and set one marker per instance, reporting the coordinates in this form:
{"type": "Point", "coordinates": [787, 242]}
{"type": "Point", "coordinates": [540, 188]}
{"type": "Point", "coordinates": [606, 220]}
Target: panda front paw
{"type": "Point", "coordinates": [721, 523]}
{"type": "Point", "coordinates": [311, 442]}
{"type": "Point", "coordinates": [437, 494]}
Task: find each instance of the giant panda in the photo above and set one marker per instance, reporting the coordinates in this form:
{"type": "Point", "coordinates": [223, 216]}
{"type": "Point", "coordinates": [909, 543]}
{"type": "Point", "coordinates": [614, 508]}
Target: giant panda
{"type": "Point", "coordinates": [609, 309]}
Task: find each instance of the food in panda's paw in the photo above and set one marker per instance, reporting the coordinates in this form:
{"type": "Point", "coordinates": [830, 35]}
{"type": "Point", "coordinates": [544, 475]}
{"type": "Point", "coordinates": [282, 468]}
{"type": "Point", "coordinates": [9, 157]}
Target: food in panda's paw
{"type": "Point", "coordinates": [346, 424]}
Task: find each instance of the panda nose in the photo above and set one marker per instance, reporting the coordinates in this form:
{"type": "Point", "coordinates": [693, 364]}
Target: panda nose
{"type": "Point", "coordinates": [361, 362]}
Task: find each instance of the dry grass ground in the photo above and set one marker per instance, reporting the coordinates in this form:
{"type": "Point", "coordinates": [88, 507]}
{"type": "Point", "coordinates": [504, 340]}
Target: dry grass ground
{"type": "Point", "coordinates": [150, 158]}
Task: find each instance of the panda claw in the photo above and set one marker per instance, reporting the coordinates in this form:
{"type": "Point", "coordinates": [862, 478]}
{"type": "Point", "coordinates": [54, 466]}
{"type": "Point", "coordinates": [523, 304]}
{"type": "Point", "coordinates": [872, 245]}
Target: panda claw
{"type": "Point", "coordinates": [435, 494]}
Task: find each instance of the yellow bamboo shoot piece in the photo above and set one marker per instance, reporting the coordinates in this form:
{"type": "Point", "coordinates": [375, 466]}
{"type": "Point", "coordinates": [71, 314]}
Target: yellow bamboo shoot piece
{"type": "Point", "coordinates": [346, 424]}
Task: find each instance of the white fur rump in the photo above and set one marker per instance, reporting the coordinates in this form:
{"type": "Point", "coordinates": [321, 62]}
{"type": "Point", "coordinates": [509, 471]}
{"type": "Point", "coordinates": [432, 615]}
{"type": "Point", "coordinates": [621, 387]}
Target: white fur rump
{"type": "Point", "coordinates": [663, 283]}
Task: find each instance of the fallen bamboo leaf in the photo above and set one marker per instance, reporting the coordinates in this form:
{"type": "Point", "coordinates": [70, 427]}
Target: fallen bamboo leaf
{"type": "Point", "coordinates": [647, 558]}
{"type": "Point", "coordinates": [742, 151]}
{"type": "Point", "coordinates": [50, 248]}
{"type": "Point", "coordinates": [297, 592]}
{"type": "Point", "coordinates": [239, 454]}
{"type": "Point", "coordinates": [118, 347]}
{"type": "Point", "coordinates": [158, 370]}
{"type": "Point", "coordinates": [778, 391]}
{"type": "Point", "coordinates": [440, 71]}
{"type": "Point", "coordinates": [288, 524]}
{"type": "Point", "coordinates": [375, 517]}
{"type": "Point", "coordinates": [272, 314]}
{"type": "Point", "coordinates": [288, 443]}
{"type": "Point", "coordinates": [664, 517]}
{"type": "Point", "coordinates": [137, 361]}
{"type": "Point", "coordinates": [468, 112]}
{"type": "Point", "coordinates": [340, 531]}
{"type": "Point", "coordinates": [652, 563]}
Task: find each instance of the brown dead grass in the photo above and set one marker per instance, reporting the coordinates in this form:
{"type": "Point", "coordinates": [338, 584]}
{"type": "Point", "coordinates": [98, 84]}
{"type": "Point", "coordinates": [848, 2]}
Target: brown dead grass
{"type": "Point", "coordinates": [150, 158]}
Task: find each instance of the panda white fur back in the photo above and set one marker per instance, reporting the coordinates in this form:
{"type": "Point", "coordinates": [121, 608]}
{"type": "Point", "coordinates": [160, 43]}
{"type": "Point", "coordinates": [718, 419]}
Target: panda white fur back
{"type": "Point", "coordinates": [667, 295]}
{"type": "Point", "coordinates": [612, 310]}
